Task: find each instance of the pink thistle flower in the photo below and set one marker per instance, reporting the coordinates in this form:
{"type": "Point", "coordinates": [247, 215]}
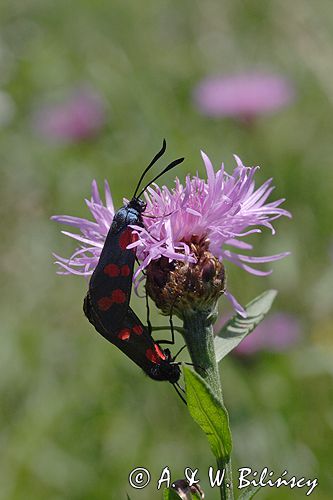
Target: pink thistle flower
{"type": "Point", "coordinates": [243, 96]}
{"type": "Point", "coordinates": [276, 333]}
{"type": "Point", "coordinates": [80, 116]}
{"type": "Point", "coordinates": [224, 209]}
{"type": "Point", "coordinates": [221, 211]}
{"type": "Point", "coordinates": [93, 234]}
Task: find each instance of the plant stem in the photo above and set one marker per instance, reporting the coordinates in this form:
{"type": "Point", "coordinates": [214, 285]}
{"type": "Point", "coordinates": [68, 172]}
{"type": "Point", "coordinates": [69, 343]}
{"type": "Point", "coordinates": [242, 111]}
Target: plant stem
{"type": "Point", "coordinates": [199, 337]}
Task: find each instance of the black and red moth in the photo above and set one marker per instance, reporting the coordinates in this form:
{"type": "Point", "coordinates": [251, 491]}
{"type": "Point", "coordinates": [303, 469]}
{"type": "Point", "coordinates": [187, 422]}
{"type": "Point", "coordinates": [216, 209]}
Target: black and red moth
{"type": "Point", "coordinates": [134, 340]}
{"type": "Point", "coordinates": [106, 304]}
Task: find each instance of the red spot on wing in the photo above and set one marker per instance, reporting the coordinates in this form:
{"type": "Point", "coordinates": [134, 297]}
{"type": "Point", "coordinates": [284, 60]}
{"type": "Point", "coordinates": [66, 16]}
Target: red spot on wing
{"type": "Point", "coordinates": [125, 270]}
{"type": "Point", "coordinates": [104, 303]}
{"type": "Point", "coordinates": [124, 334]}
{"type": "Point", "coordinates": [112, 270]}
{"type": "Point", "coordinates": [126, 238]}
{"type": "Point", "coordinates": [159, 352]}
{"type": "Point", "coordinates": [118, 296]}
{"type": "Point", "coordinates": [155, 355]}
{"type": "Point", "coordinates": [137, 329]}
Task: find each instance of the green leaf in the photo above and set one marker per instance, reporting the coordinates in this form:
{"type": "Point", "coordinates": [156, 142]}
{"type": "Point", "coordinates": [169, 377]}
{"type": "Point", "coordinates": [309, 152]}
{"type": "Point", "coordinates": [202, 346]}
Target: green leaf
{"type": "Point", "coordinates": [209, 413]}
{"type": "Point", "coordinates": [128, 497]}
{"type": "Point", "coordinates": [249, 492]}
{"type": "Point", "coordinates": [237, 328]}
{"type": "Point", "coordinates": [170, 494]}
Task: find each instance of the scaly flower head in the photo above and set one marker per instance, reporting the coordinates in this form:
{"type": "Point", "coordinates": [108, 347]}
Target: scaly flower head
{"type": "Point", "coordinates": [189, 232]}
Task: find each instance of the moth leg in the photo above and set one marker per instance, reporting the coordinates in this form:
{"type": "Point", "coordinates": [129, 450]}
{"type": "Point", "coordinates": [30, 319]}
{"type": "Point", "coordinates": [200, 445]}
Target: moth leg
{"type": "Point", "coordinates": [178, 388]}
{"type": "Point", "coordinates": [177, 354]}
{"type": "Point", "coordinates": [172, 328]}
{"type": "Point", "coordinates": [148, 313]}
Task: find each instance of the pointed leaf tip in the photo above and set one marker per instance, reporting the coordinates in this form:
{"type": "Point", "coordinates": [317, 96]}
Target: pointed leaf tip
{"type": "Point", "coordinates": [237, 328]}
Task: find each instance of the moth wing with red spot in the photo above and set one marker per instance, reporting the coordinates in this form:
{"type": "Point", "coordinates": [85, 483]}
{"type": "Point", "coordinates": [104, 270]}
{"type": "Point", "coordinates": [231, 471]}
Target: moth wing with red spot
{"type": "Point", "coordinates": [135, 341]}
{"type": "Point", "coordinates": [132, 338]}
{"type": "Point", "coordinates": [111, 283]}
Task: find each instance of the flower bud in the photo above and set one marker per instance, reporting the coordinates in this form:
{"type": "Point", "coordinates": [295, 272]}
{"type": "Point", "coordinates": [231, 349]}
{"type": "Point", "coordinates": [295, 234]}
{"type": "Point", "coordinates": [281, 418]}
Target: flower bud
{"type": "Point", "coordinates": [181, 486]}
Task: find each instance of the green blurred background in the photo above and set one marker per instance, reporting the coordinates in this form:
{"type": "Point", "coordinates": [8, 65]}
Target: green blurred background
{"type": "Point", "coordinates": [76, 415]}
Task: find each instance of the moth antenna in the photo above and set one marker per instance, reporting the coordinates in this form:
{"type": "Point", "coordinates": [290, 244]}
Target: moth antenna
{"type": "Point", "coordinates": [169, 167]}
{"type": "Point", "coordinates": [154, 160]}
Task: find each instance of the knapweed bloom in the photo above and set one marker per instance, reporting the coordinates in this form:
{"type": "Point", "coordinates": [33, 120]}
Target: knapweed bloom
{"type": "Point", "coordinates": [189, 233]}
{"type": "Point", "coordinates": [277, 333]}
{"type": "Point", "coordinates": [243, 96]}
{"type": "Point", "coordinates": [78, 117]}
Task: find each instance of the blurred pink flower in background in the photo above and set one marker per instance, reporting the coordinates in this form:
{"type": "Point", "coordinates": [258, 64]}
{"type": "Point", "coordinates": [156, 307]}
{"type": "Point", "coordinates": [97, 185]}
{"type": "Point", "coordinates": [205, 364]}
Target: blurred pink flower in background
{"type": "Point", "coordinates": [277, 333]}
{"type": "Point", "coordinates": [78, 117]}
{"type": "Point", "coordinates": [244, 95]}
